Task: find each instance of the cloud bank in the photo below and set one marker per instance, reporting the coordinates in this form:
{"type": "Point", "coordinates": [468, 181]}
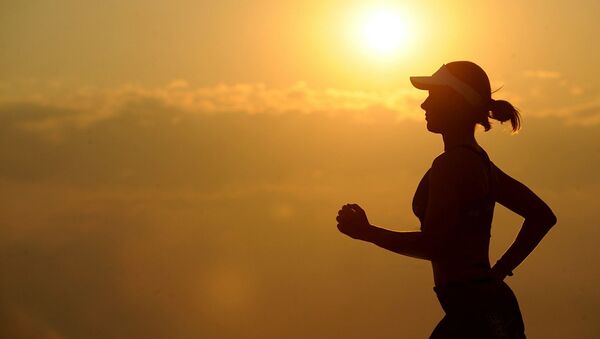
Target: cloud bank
{"type": "Point", "coordinates": [133, 213]}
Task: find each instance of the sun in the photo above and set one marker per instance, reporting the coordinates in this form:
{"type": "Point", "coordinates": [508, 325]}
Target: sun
{"type": "Point", "coordinates": [381, 32]}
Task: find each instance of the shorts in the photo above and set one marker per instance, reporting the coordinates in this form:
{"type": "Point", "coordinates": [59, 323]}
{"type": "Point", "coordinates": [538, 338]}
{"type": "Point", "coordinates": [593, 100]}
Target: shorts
{"type": "Point", "coordinates": [480, 309]}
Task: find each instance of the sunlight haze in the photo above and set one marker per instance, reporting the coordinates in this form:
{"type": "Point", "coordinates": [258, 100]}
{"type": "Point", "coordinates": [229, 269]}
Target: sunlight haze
{"type": "Point", "coordinates": [173, 169]}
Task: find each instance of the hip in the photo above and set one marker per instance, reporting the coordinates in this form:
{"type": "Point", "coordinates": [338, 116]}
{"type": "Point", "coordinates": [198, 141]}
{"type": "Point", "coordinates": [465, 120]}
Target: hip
{"type": "Point", "coordinates": [479, 306]}
{"type": "Point", "coordinates": [476, 293]}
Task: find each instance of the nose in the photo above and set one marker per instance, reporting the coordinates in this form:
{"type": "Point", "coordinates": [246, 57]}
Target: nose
{"type": "Point", "coordinates": [425, 104]}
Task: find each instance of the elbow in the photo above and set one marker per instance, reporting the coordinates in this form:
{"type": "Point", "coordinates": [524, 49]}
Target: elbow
{"type": "Point", "coordinates": [552, 220]}
{"type": "Point", "coordinates": [548, 222]}
{"type": "Point", "coordinates": [547, 219]}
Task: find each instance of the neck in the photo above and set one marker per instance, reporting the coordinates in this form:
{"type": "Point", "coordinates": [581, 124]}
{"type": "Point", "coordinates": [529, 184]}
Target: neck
{"type": "Point", "coordinates": [459, 137]}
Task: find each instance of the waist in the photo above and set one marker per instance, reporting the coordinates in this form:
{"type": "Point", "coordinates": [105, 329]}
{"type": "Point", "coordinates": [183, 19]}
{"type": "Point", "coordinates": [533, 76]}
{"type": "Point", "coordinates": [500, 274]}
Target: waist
{"type": "Point", "coordinates": [454, 285]}
{"type": "Point", "coordinates": [460, 272]}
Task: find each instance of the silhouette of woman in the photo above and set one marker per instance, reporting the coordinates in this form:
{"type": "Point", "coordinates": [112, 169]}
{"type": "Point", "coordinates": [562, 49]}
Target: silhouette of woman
{"type": "Point", "coordinates": [455, 203]}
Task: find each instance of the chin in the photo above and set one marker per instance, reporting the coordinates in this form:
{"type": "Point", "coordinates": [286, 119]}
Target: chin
{"type": "Point", "coordinates": [432, 128]}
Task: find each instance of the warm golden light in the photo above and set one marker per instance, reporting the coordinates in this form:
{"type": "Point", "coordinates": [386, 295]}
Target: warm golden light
{"type": "Point", "coordinates": [382, 32]}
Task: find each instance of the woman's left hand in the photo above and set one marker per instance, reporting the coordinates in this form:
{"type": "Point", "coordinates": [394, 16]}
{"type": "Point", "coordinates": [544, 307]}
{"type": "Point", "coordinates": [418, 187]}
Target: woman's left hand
{"type": "Point", "coordinates": [496, 274]}
{"type": "Point", "coordinates": [499, 272]}
{"type": "Point", "coordinates": [352, 221]}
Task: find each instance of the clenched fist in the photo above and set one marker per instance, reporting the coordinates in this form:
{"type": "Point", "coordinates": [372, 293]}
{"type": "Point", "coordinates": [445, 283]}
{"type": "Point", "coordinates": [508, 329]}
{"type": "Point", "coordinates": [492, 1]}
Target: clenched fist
{"type": "Point", "coordinates": [352, 221]}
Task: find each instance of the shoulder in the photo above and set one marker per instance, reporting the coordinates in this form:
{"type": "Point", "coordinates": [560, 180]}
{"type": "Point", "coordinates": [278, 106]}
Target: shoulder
{"type": "Point", "coordinates": [458, 159]}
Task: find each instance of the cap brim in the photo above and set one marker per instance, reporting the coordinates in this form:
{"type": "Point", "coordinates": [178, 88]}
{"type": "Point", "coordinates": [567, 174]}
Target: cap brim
{"type": "Point", "coordinates": [443, 77]}
{"type": "Point", "coordinates": [424, 82]}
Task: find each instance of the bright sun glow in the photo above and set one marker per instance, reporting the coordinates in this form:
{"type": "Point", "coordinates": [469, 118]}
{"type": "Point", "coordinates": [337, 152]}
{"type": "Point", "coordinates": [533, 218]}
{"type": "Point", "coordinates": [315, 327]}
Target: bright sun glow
{"type": "Point", "coordinates": [382, 32]}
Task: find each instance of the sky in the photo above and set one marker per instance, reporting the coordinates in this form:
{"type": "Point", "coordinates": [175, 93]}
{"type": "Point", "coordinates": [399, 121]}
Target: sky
{"type": "Point", "coordinates": [174, 169]}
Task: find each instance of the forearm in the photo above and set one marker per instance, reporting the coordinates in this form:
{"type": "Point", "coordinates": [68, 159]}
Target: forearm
{"type": "Point", "coordinates": [411, 244]}
{"type": "Point", "coordinates": [530, 235]}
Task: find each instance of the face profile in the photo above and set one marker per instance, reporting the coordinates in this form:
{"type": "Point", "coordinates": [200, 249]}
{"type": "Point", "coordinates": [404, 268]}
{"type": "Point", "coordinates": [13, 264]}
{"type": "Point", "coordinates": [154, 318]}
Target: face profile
{"type": "Point", "coordinates": [445, 110]}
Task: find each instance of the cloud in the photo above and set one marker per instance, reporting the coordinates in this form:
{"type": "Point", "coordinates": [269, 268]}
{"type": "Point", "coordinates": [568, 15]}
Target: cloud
{"type": "Point", "coordinates": [552, 84]}
{"type": "Point", "coordinates": [152, 218]}
{"type": "Point", "coordinates": [542, 74]}
{"type": "Point", "coordinates": [83, 106]}
{"type": "Point", "coordinates": [250, 98]}
{"type": "Point", "coordinates": [582, 114]}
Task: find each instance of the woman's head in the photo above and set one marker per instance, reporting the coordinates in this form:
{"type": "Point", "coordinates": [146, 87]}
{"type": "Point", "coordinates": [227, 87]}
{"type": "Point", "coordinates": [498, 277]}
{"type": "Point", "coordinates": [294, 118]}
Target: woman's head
{"type": "Point", "coordinates": [460, 96]}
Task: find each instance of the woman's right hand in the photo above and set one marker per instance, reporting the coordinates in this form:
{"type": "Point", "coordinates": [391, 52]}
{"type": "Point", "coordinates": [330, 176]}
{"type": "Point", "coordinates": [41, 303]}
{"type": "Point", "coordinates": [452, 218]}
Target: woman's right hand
{"type": "Point", "coordinates": [352, 221]}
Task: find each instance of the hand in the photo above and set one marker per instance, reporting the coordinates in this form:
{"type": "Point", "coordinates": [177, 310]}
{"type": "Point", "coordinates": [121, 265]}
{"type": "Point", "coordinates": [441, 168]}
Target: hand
{"type": "Point", "coordinates": [352, 221]}
{"type": "Point", "coordinates": [500, 273]}
{"type": "Point", "coordinates": [496, 274]}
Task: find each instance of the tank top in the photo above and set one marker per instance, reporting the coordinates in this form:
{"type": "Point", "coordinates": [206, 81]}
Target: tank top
{"type": "Point", "coordinates": [476, 216]}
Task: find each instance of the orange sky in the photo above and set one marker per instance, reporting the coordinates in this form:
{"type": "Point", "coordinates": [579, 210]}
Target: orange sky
{"type": "Point", "coordinates": [173, 169]}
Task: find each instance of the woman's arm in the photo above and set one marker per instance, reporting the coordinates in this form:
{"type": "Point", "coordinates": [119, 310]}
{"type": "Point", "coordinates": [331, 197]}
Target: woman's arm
{"type": "Point", "coordinates": [412, 244]}
{"type": "Point", "coordinates": [529, 237]}
{"type": "Point", "coordinates": [352, 221]}
{"type": "Point", "coordinates": [539, 218]}
{"type": "Point", "coordinates": [452, 177]}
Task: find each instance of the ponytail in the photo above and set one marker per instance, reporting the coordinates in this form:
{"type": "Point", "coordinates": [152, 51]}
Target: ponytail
{"type": "Point", "coordinates": [502, 111]}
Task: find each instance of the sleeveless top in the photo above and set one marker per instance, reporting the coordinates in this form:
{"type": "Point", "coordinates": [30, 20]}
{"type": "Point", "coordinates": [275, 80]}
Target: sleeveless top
{"type": "Point", "coordinates": [476, 216]}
